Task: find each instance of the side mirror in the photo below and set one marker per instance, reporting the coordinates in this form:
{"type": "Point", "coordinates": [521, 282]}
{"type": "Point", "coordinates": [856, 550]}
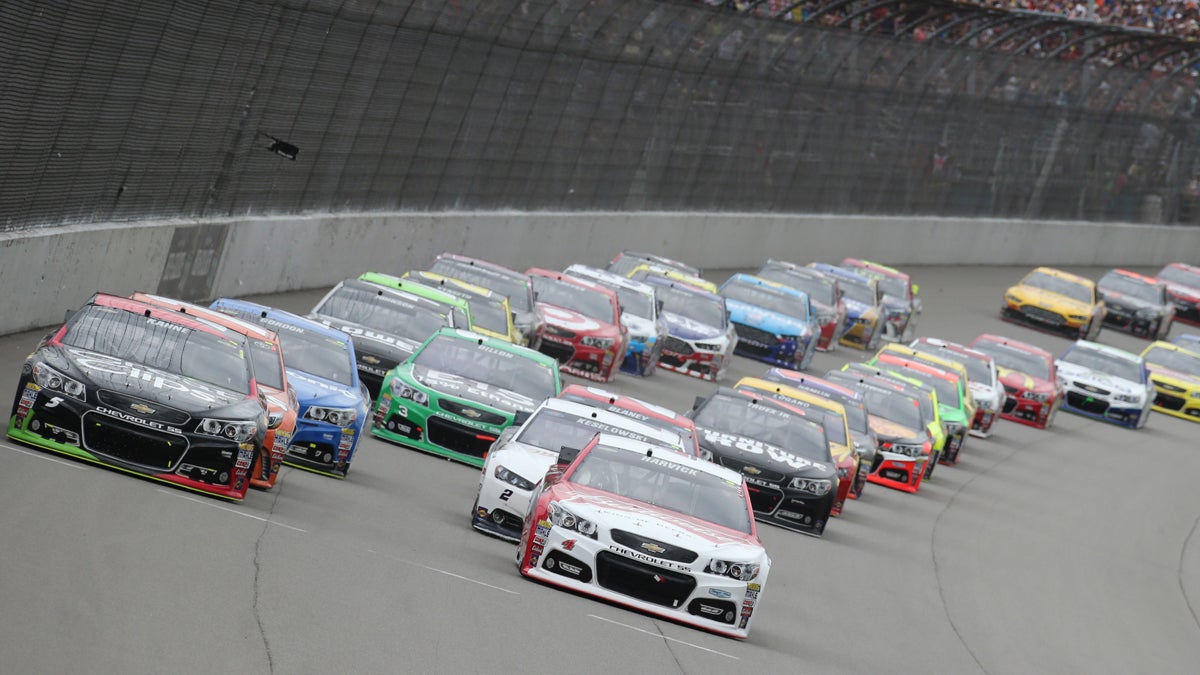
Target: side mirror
{"type": "Point", "coordinates": [698, 402]}
{"type": "Point", "coordinates": [68, 314]}
{"type": "Point", "coordinates": [659, 305]}
{"type": "Point", "coordinates": [521, 417]}
{"type": "Point", "coordinates": [567, 454]}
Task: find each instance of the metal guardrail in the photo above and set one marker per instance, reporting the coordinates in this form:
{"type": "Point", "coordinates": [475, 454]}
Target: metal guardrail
{"type": "Point", "coordinates": [115, 110]}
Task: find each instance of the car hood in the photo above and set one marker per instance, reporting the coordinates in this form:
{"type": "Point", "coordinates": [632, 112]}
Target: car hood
{"type": "Point", "coordinates": [312, 390]}
{"type": "Point", "coordinates": [372, 340]}
{"type": "Point", "coordinates": [99, 371]}
{"type": "Point", "coordinates": [580, 324]}
{"type": "Point", "coordinates": [1045, 298]}
{"type": "Point", "coordinates": [652, 522]}
{"type": "Point", "coordinates": [772, 322]}
{"type": "Point", "coordinates": [639, 326]}
{"type": "Point", "coordinates": [1115, 299]}
{"type": "Point", "coordinates": [753, 451]}
{"type": "Point", "coordinates": [890, 431]}
{"type": "Point", "coordinates": [986, 393]}
{"type": "Point", "coordinates": [475, 391]}
{"type": "Point", "coordinates": [1022, 381]}
{"type": "Point", "coordinates": [689, 329]}
{"type": "Point", "coordinates": [855, 308]}
{"type": "Point", "coordinates": [1189, 293]}
{"type": "Point", "coordinates": [1163, 371]}
{"type": "Point", "coordinates": [528, 461]}
{"type": "Point", "coordinates": [1084, 375]}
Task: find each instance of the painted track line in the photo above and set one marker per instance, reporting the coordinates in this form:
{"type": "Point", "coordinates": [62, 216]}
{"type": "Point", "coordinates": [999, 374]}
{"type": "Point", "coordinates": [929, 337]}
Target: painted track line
{"type": "Point", "coordinates": [73, 465]}
{"type": "Point", "coordinates": [663, 637]}
{"type": "Point", "coordinates": [226, 508]}
{"type": "Point", "coordinates": [440, 571]}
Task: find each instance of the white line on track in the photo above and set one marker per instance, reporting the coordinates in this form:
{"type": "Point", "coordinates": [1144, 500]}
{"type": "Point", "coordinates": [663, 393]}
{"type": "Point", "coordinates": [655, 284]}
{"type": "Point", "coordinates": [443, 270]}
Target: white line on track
{"type": "Point", "coordinates": [40, 456]}
{"type": "Point", "coordinates": [449, 574]}
{"type": "Point", "coordinates": [226, 508]}
{"type": "Point", "coordinates": [663, 637]}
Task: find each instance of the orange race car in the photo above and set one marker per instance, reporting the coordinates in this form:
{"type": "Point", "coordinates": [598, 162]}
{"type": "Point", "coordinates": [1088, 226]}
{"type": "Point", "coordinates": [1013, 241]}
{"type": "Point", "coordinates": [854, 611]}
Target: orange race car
{"type": "Point", "coordinates": [266, 358]}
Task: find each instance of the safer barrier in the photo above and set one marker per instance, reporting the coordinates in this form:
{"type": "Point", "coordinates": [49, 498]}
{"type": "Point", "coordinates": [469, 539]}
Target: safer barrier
{"type": "Point", "coordinates": [49, 270]}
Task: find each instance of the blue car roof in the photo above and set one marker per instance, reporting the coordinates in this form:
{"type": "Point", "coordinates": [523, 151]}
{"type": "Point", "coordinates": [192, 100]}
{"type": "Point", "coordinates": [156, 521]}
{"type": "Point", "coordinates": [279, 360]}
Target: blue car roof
{"type": "Point", "coordinates": [842, 273]}
{"type": "Point", "coordinates": [282, 316]}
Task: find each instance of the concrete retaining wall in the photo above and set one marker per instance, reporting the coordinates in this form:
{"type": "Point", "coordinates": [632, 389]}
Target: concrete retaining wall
{"type": "Point", "coordinates": [48, 271]}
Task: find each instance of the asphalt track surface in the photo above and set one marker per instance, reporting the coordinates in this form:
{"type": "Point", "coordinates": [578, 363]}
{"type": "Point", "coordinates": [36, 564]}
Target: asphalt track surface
{"type": "Point", "coordinates": [1072, 550]}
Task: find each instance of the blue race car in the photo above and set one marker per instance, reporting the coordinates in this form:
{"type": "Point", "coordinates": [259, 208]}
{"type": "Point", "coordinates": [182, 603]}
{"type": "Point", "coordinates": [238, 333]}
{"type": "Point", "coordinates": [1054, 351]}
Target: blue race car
{"type": "Point", "coordinates": [774, 323]}
{"type": "Point", "coordinates": [333, 402]}
{"type": "Point", "coordinates": [700, 340]}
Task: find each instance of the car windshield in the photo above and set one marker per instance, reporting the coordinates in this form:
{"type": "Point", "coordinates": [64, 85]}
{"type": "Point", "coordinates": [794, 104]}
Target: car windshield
{"type": "Point", "coordinates": [860, 292]}
{"type": "Point", "coordinates": [833, 423]}
{"type": "Point", "coordinates": [1103, 362]}
{"type": "Point", "coordinates": [1174, 360]}
{"type": "Point", "coordinates": [947, 390]}
{"type": "Point", "coordinates": [318, 355]}
{"type": "Point", "coordinates": [163, 345]}
{"type": "Point", "coordinates": [1059, 285]}
{"type": "Point", "coordinates": [765, 297]}
{"type": "Point", "coordinates": [893, 286]}
{"type": "Point", "coordinates": [658, 480]}
{"type": "Point", "coordinates": [977, 367]}
{"type": "Point", "coordinates": [468, 359]}
{"type": "Point", "coordinates": [489, 313]}
{"type": "Point", "coordinates": [1180, 275]}
{"type": "Point", "coordinates": [699, 308]}
{"type": "Point", "coordinates": [384, 312]}
{"type": "Point", "coordinates": [551, 429]}
{"type": "Point", "coordinates": [586, 301]}
{"type": "Point", "coordinates": [634, 302]}
{"type": "Point", "coordinates": [893, 406]}
{"type": "Point", "coordinates": [741, 416]}
{"type": "Point", "coordinates": [820, 290]}
{"type": "Point", "coordinates": [1015, 358]}
{"type": "Point", "coordinates": [306, 351]}
{"type": "Point", "coordinates": [1133, 287]}
{"type": "Point", "coordinates": [515, 287]}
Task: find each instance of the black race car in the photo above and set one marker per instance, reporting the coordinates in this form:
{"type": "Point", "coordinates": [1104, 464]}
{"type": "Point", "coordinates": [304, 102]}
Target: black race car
{"type": "Point", "coordinates": [145, 390]}
{"type": "Point", "coordinates": [785, 459]}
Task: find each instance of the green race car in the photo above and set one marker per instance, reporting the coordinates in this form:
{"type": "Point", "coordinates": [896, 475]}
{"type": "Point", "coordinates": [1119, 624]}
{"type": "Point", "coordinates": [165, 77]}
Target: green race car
{"type": "Point", "coordinates": [456, 393]}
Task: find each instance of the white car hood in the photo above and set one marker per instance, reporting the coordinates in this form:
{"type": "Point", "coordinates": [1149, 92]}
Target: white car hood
{"type": "Point", "coordinates": [1117, 385]}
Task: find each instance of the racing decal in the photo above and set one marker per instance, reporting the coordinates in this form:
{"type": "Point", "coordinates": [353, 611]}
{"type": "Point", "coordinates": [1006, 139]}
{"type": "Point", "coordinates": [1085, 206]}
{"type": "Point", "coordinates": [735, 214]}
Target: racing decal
{"type": "Point", "coordinates": [568, 545]}
{"type": "Point", "coordinates": [481, 392]}
{"type": "Point", "coordinates": [757, 447]}
{"type": "Point", "coordinates": [688, 328]}
{"type": "Point", "coordinates": [395, 340]}
{"type": "Point", "coordinates": [155, 378]}
{"type": "Point", "coordinates": [134, 419]}
{"type": "Point", "coordinates": [28, 396]}
{"type": "Point", "coordinates": [570, 320]}
{"type": "Point", "coordinates": [720, 593]}
{"type": "Point", "coordinates": [385, 402]}
{"type": "Point", "coordinates": [344, 445]}
{"type": "Point", "coordinates": [245, 456]}
{"type": "Point", "coordinates": [659, 562]}
{"type": "Point", "coordinates": [620, 431]}
{"type": "Point", "coordinates": [667, 464]}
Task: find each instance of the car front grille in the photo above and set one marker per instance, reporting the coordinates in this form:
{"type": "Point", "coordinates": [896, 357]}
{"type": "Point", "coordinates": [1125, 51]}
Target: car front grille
{"type": "Point", "coordinates": [674, 344]}
{"type": "Point", "coordinates": [640, 580]}
{"type": "Point", "coordinates": [1043, 315]}
{"type": "Point", "coordinates": [1086, 403]}
{"type": "Point", "coordinates": [457, 437]}
{"type": "Point", "coordinates": [653, 547]}
{"type": "Point", "coordinates": [154, 450]}
{"type": "Point", "coordinates": [759, 337]}
{"type": "Point", "coordinates": [1169, 402]}
{"type": "Point", "coordinates": [558, 351]}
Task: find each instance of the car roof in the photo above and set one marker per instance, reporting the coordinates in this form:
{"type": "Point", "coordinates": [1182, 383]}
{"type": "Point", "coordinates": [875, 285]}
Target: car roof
{"type": "Point", "coordinates": [163, 313]}
{"type": "Point", "coordinates": [1016, 344]}
{"type": "Point", "coordinates": [775, 286]}
{"type": "Point", "coordinates": [284, 317]}
{"type": "Point", "coordinates": [604, 277]}
{"type": "Point", "coordinates": [415, 289]}
{"type": "Point", "coordinates": [220, 318]}
{"type": "Point", "coordinates": [614, 419]}
{"type": "Point", "coordinates": [635, 446]}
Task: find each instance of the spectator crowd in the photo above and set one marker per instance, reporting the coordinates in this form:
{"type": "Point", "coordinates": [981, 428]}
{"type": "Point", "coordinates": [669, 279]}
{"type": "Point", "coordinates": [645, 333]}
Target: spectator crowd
{"type": "Point", "coordinates": [1179, 18]}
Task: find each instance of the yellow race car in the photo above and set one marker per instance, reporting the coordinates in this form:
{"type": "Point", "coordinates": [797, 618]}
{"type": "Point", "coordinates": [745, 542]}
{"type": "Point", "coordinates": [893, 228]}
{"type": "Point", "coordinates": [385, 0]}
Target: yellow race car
{"type": "Point", "coordinates": [1175, 373]}
{"type": "Point", "coordinates": [1055, 301]}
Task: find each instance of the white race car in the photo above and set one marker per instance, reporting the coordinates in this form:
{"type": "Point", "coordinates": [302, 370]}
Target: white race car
{"type": "Point", "coordinates": [649, 529]}
{"type": "Point", "coordinates": [521, 455]}
{"type": "Point", "coordinates": [1106, 383]}
{"type": "Point", "coordinates": [982, 377]}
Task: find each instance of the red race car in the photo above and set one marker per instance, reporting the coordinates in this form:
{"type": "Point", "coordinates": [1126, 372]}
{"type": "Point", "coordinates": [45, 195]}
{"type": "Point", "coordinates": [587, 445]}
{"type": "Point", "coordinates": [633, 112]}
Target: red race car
{"type": "Point", "coordinates": [583, 324]}
{"type": "Point", "coordinates": [1032, 394]}
{"type": "Point", "coordinates": [1183, 288]}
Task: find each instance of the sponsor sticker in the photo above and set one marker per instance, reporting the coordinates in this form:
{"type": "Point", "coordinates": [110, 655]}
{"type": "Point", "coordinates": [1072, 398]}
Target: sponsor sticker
{"type": "Point", "coordinates": [244, 458]}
